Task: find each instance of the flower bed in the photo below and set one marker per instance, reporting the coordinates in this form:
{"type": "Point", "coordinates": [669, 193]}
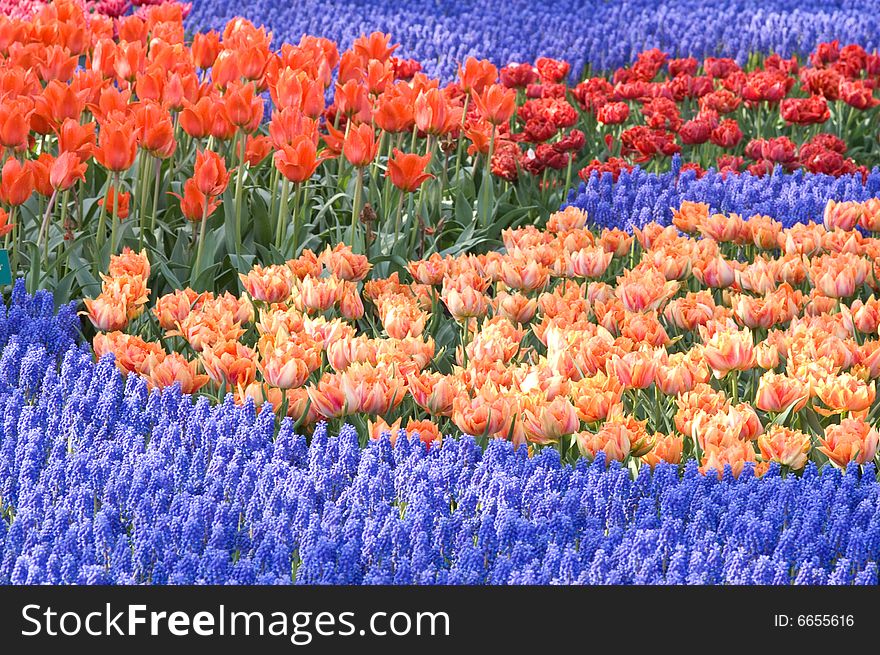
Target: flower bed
{"type": "Point", "coordinates": [105, 482]}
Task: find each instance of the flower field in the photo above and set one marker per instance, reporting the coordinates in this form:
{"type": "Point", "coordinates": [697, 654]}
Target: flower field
{"type": "Point", "coordinates": [391, 301]}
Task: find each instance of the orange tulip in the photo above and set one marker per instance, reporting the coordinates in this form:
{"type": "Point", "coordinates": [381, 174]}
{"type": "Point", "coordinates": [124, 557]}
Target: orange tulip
{"type": "Point", "coordinates": [57, 103]}
{"type": "Point", "coordinates": [394, 113]}
{"type": "Point", "coordinates": [786, 446]}
{"type": "Point", "coordinates": [197, 118]}
{"type": "Point", "coordinates": [122, 201]}
{"type": "Point", "coordinates": [15, 116]}
{"type": "Point", "coordinates": [66, 170]}
{"type": "Point", "coordinates": [243, 106]}
{"type": "Point", "coordinates": [256, 149]}
{"type": "Point", "coordinates": [778, 392]}
{"type": "Point", "coordinates": [496, 103]}
{"type": "Point", "coordinates": [845, 393]}
{"type": "Point", "coordinates": [407, 170]}
{"type": "Point", "coordinates": [155, 130]}
{"type": "Point", "coordinates": [476, 417]}
{"type": "Point", "coordinates": [370, 389]}
{"type": "Point", "coordinates": [689, 215]}
{"type": "Point", "coordinates": [174, 368]}
{"type": "Point", "coordinates": [360, 146]}
{"type": "Point", "coordinates": [107, 313]}
{"type": "Point", "coordinates": [205, 48]}
{"type": "Point", "coordinates": [319, 294]}
{"type": "Point", "coordinates": [282, 365]}
{"type": "Point", "coordinates": [634, 370]}
{"type": "Point", "coordinates": [729, 351]}
{"type": "Point", "coordinates": [117, 145]}
{"type": "Point", "coordinates": [431, 112]}
{"type": "Point", "coordinates": [80, 139]}
{"type": "Point", "coordinates": [271, 284]}
{"type": "Point", "coordinates": [853, 440]}
{"type": "Point", "coordinates": [427, 432]}
{"type": "Point", "coordinates": [464, 302]}
{"type": "Point", "coordinates": [5, 226]}
{"type": "Point", "coordinates": [667, 448]}
{"type": "Point", "coordinates": [476, 74]}
{"type": "Point", "coordinates": [433, 392]}
{"type": "Point", "coordinates": [16, 182]}
{"type": "Point", "coordinates": [210, 175]}
{"type": "Point", "coordinates": [842, 215]}
{"type": "Point", "coordinates": [194, 204]}
{"type": "Point", "coordinates": [231, 363]}
{"type": "Point", "coordinates": [298, 160]}
{"type": "Point", "coordinates": [548, 422]}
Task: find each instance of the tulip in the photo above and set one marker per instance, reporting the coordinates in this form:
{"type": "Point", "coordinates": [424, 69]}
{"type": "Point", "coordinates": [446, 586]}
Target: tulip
{"type": "Point", "coordinates": [360, 146]}
{"type": "Point", "coordinates": [15, 116]}
{"type": "Point", "coordinates": [117, 145]}
{"type": "Point", "coordinates": [496, 103]}
{"type": "Point", "coordinates": [174, 368]}
{"type": "Point", "coordinates": [786, 446]}
{"type": "Point", "coordinates": [5, 226]}
{"type": "Point", "coordinates": [16, 182]}
{"type": "Point", "coordinates": [271, 284]}
{"type": "Point", "coordinates": [298, 160]}
{"type": "Point", "coordinates": [230, 363]}
{"type": "Point", "coordinates": [197, 118]}
{"type": "Point", "coordinates": [407, 170]}
{"type": "Point", "coordinates": [243, 107]}
{"type": "Point", "coordinates": [107, 313]}
{"type": "Point", "coordinates": [210, 175]}
{"type": "Point", "coordinates": [121, 201]}
{"type": "Point", "coordinates": [777, 393]}
{"type": "Point", "coordinates": [853, 440]}
{"type": "Point", "coordinates": [66, 170]}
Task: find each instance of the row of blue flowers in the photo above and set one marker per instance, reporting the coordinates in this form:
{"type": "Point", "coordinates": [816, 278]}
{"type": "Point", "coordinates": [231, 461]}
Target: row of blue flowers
{"type": "Point", "coordinates": [603, 34]}
{"type": "Point", "coordinates": [639, 197]}
{"type": "Point", "coordinates": [102, 481]}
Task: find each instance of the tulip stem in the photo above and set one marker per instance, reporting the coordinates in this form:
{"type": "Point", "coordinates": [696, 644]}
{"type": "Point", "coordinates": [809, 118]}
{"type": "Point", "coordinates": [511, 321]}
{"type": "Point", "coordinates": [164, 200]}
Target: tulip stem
{"type": "Point", "coordinates": [458, 154]}
{"type": "Point", "coordinates": [102, 221]}
{"type": "Point", "coordinates": [158, 184]}
{"type": "Point", "coordinates": [397, 216]}
{"type": "Point", "coordinates": [115, 213]}
{"type": "Point", "coordinates": [282, 213]}
{"type": "Point", "coordinates": [201, 242]}
{"type": "Point", "coordinates": [356, 202]}
{"type": "Point", "coordinates": [143, 181]}
{"type": "Point", "coordinates": [15, 237]}
{"type": "Point", "coordinates": [296, 217]}
{"type": "Point", "coordinates": [238, 145]}
{"type": "Point", "coordinates": [44, 228]}
{"type": "Point", "coordinates": [273, 186]}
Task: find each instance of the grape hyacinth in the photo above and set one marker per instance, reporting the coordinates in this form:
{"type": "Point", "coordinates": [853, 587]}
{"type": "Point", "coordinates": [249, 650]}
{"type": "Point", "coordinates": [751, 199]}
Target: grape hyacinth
{"type": "Point", "coordinates": [603, 35]}
{"type": "Point", "coordinates": [103, 481]}
{"type": "Point", "coordinates": [639, 197]}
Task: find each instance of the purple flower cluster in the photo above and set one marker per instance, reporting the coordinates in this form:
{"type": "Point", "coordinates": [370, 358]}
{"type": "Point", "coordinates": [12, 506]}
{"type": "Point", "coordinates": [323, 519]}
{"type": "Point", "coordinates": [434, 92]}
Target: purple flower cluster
{"type": "Point", "coordinates": [103, 481]}
{"type": "Point", "coordinates": [639, 197]}
{"type": "Point", "coordinates": [604, 35]}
